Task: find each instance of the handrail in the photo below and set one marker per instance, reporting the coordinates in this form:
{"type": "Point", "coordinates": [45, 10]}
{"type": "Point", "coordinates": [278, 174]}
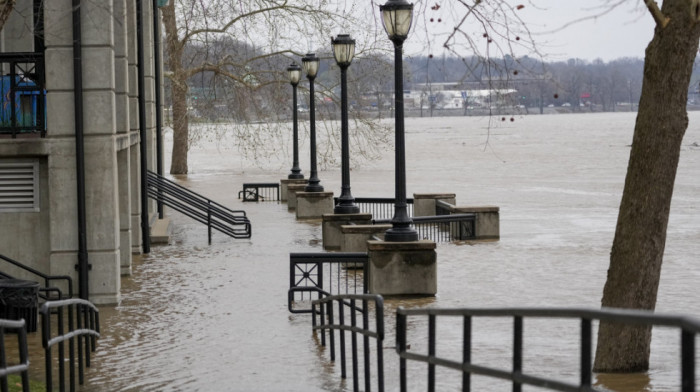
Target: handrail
{"type": "Point", "coordinates": [379, 207]}
{"type": "Point", "coordinates": [83, 326]}
{"type": "Point", "coordinates": [22, 367]}
{"type": "Point", "coordinates": [690, 328]}
{"type": "Point", "coordinates": [307, 275]}
{"type": "Point", "coordinates": [441, 228]}
{"type": "Point", "coordinates": [332, 318]}
{"type": "Point", "coordinates": [233, 223]}
{"type": "Point", "coordinates": [47, 278]}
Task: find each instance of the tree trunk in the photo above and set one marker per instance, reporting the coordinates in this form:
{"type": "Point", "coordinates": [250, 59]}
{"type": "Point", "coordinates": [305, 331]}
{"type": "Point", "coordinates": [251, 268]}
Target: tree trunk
{"type": "Point", "coordinates": [179, 89]}
{"type": "Point", "coordinates": [640, 236]}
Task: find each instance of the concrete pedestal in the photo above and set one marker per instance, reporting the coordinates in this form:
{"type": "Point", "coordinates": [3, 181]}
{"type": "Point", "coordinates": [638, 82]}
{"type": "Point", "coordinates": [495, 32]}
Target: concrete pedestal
{"type": "Point", "coordinates": [292, 190]}
{"type": "Point", "coordinates": [487, 221]}
{"type": "Point", "coordinates": [284, 184]}
{"type": "Point", "coordinates": [331, 227]}
{"type": "Point", "coordinates": [402, 268]}
{"type": "Point", "coordinates": [313, 205]}
{"type": "Point", "coordinates": [355, 237]}
{"type": "Point", "coordinates": [424, 203]}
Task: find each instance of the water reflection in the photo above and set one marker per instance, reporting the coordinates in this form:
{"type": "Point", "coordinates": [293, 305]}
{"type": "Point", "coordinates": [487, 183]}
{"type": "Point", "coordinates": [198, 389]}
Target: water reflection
{"type": "Point", "coordinates": [640, 382]}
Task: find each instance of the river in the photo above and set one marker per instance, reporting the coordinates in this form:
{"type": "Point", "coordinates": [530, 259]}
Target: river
{"type": "Point", "coordinates": [201, 317]}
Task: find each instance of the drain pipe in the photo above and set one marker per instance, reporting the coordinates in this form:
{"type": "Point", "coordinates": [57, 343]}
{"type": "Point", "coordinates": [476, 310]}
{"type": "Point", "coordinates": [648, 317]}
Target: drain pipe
{"type": "Point", "coordinates": [83, 267]}
{"type": "Point", "coordinates": [159, 102]}
{"type": "Point", "coordinates": [145, 227]}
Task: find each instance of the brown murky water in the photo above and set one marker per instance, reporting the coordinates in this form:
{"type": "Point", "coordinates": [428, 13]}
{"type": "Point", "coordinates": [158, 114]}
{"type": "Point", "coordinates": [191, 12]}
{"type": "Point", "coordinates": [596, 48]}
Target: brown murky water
{"type": "Point", "coordinates": [199, 317]}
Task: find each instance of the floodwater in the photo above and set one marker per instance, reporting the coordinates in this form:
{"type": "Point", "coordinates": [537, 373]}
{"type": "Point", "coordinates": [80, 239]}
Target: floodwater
{"type": "Point", "coordinates": [199, 317]}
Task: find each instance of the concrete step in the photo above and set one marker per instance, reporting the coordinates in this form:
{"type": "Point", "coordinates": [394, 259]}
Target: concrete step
{"type": "Point", "coordinates": [160, 231]}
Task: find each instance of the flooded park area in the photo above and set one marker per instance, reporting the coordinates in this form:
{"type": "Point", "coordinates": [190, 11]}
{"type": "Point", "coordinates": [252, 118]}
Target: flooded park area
{"type": "Point", "coordinates": [200, 317]}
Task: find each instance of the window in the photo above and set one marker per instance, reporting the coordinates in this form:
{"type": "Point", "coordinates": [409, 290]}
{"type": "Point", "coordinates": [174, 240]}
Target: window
{"type": "Point", "coordinates": [19, 185]}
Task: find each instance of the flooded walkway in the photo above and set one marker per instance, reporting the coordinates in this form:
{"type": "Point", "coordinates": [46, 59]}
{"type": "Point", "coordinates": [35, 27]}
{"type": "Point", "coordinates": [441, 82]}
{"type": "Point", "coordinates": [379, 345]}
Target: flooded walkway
{"type": "Point", "coordinates": [199, 317]}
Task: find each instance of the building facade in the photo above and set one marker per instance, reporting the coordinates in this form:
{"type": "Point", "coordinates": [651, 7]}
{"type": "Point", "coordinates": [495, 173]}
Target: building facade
{"type": "Point", "coordinates": [40, 220]}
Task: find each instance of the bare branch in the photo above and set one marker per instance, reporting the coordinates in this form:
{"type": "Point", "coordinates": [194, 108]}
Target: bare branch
{"type": "Point", "coordinates": [661, 19]}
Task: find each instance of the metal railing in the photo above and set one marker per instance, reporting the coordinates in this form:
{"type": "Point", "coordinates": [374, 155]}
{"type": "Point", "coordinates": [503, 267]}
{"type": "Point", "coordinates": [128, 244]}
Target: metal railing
{"type": "Point", "coordinates": [48, 288]}
{"type": "Point", "coordinates": [324, 274]}
{"type": "Point", "coordinates": [333, 314]}
{"type": "Point", "coordinates": [22, 366]}
{"type": "Point", "coordinates": [689, 328]}
{"type": "Point", "coordinates": [23, 106]}
{"type": "Point", "coordinates": [442, 228]}
{"type": "Point", "coordinates": [233, 223]}
{"type": "Point", "coordinates": [83, 328]}
{"type": "Point", "coordinates": [260, 192]}
{"type": "Point", "coordinates": [379, 207]}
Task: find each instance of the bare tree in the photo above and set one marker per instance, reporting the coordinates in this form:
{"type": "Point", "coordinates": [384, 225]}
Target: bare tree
{"type": "Point", "coordinates": [240, 50]}
{"type": "Point", "coordinates": [640, 236]}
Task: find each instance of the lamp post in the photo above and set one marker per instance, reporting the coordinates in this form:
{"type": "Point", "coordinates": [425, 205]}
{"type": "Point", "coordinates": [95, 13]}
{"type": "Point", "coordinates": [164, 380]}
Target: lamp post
{"type": "Point", "coordinates": [310, 64]}
{"type": "Point", "coordinates": [343, 51]}
{"type": "Point", "coordinates": [294, 71]}
{"type": "Point", "coordinates": [397, 16]}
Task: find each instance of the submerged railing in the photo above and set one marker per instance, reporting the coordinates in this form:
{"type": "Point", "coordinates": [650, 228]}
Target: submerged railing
{"type": "Point", "coordinates": [22, 364]}
{"type": "Point", "coordinates": [442, 228]}
{"type": "Point", "coordinates": [334, 312]}
{"type": "Point", "coordinates": [689, 329]}
{"type": "Point", "coordinates": [83, 324]}
{"type": "Point", "coordinates": [379, 207]}
{"type": "Point", "coordinates": [316, 275]}
{"type": "Point", "coordinates": [260, 192]}
{"type": "Point", "coordinates": [233, 223]}
{"type": "Point", "coordinates": [48, 288]}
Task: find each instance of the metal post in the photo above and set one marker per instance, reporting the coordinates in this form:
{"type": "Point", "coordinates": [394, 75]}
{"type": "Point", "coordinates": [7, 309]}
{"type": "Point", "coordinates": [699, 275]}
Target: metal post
{"type": "Point", "coordinates": [401, 230]}
{"type": "Point", "coordinates": [83, 266]}
{"type": "Point", "coordinates": [159, 101]}
{"type": "Point", "coordinates": [346, 203]}
{"type": "Point", "coordinates": [145, 227]}
{"type": "Point", "coordinates": [296, 171]}
{"type": "Point", "coordinates": [314, 184]}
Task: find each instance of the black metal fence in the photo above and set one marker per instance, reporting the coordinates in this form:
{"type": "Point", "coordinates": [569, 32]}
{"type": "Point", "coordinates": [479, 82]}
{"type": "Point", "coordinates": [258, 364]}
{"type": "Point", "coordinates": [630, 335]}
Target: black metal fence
{"type": "Point", "coordinates": [22, 366]}
{"type": "Point", "coordinates": [23, 106]}
{"type": "Point", "coordinates": [49, 291]}
{"type": "Point", "coordinates": [689, 329]}
{"type": "Point", "coordinates": [442, 228]}
{"type": "Point", "coordinates": [233, 223]}
{"type": "Point", "coordinates": [379, 207]}
{"type": "Point", "coordinates": [334, 312]}
{"type": "Point", "coordinates": [315, 275]}
{"type": "Point", "coordinates": [260, 192]}
{"type": "Point", "coordinates": [81, 318]}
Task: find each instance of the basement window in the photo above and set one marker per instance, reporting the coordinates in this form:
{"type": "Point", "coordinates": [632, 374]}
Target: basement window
{"type": "Point", "coordinates": [19, 185]}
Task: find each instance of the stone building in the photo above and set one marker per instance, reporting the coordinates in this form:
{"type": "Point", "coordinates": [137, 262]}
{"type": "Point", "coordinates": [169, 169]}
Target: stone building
{"type": "Point", "coordinates": [41, 184]}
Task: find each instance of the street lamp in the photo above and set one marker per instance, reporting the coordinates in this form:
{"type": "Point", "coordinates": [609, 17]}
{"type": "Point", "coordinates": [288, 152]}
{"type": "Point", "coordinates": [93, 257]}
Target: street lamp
{"type": "Point", "coordinates": [397, 16]}
{"type": "Point", "coordinates": [310, 63]}
{"type": "Point", "coordinates": [294, 71]}
{"type": "Point", "coordinates": [343, 51]}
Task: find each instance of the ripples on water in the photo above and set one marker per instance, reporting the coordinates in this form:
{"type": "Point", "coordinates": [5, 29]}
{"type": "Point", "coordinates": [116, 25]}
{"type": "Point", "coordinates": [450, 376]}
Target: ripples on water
{"type": "Point", "coordinates": [199, 317]}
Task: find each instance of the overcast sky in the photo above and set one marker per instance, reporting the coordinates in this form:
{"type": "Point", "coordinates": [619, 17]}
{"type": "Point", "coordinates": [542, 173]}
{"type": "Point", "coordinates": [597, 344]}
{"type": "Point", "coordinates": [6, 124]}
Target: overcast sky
{"type": "Point", "coordinates": [559, 30]}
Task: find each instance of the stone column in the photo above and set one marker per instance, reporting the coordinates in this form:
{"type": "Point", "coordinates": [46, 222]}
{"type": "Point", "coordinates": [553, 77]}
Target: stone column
{"type": "Point", "coordinates": [99, 120]}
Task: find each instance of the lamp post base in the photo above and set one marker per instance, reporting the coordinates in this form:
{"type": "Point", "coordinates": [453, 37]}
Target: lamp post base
{"type": "Point", "coordinates": [295, 176]}
{"type": "Point", "coordinates": [401, 234]}
{"type": "Point", "coordinates": [313, 187]}
{"type": "Point", "coordinates": [346, 209]}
